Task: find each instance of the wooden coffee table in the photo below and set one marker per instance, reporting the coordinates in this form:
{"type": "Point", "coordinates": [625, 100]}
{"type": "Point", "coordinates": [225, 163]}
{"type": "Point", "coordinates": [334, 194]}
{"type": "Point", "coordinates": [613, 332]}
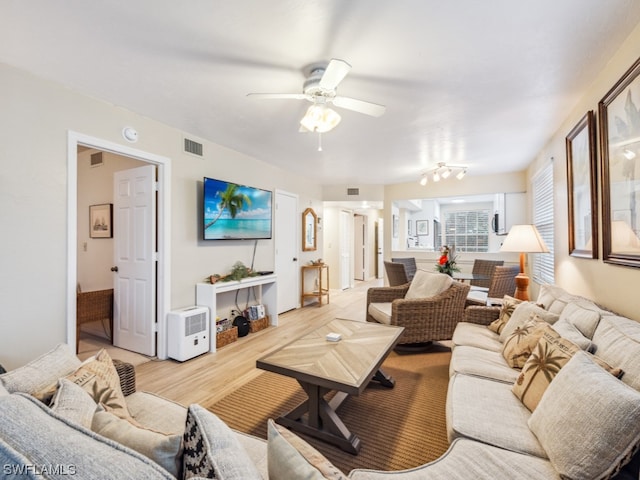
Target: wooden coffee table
{"type": "Point", "coordinates": [321, 366]}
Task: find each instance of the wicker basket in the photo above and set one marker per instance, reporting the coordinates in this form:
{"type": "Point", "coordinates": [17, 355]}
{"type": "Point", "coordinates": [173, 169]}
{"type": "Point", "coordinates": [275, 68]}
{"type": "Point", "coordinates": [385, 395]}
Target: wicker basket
{"type": "Point", "coordinates": [226, 337]}
{"type": "Point", "coordinates": [127, 374]}
{"type": "Point", "coordinates": [259, 324]}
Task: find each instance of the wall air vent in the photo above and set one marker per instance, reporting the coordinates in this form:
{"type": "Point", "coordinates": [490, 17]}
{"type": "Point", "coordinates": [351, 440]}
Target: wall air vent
{"type": "Point", "coordinates": [96, 160]}
{"type": "Point", "coordinates": [353, 191]}
{"type": "Point", "coordinates": [192, 147]}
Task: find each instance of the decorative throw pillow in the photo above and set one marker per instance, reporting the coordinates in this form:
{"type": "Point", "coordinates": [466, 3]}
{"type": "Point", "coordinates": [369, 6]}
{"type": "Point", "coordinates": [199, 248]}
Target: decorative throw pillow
{"type": "Point", "coordinates": [212, 450]}
{"type": "Point", "coordinates": [584, 319]}
{"type": "Point", "coordinates": [291, 457]}
{"type": "Point", "coordinates": [165, 450]}
{"type": "Point", "coordinates": [547, 358]}
{"type": "Point", "coordinates": [509, 304]}
{"type": "Point", "coordinates": [568, 331]}
{"type": "Point", "coordinates": [588, 421]}
{"type": "Point", "coordinates": [73, 403]}
{"type": "Point", "coordinates": [426, 284]}
{"type": "Point", "coordinates": [99, 378]}
{"type": "Point", "coordinates": [40, 376]}
{"type": "Point", "coordinates": [521, 314]}
{"type": "Point", "coordinates": [518, 347]}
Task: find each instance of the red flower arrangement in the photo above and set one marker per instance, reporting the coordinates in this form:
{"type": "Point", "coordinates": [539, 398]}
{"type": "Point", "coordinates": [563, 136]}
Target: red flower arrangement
{"type": "Point", "coordinates": [447, 261]}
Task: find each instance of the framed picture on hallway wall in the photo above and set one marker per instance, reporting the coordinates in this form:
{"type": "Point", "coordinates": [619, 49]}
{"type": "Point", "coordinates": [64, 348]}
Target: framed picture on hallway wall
{"type": "Point", "coordinates": [620, 151]}
{"type": "Point", "coordinates": [422, 227]}
{"type": "Point", "coordinates": [582, 188]}
{"type": "Point", "coordinates": [100, 219]}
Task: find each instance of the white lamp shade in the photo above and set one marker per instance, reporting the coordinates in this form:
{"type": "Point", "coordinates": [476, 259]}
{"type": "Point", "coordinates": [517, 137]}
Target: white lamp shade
{"type": "Point", "coordinates": [320, 119]}
{"type": "Point", "coordinates": [524, 239]}
{"type": "Point", "coordinates": [623, 238]}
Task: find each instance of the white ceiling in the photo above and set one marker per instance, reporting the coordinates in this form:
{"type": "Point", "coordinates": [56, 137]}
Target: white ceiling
{"type": "Point", "coordinates": [478, 83]}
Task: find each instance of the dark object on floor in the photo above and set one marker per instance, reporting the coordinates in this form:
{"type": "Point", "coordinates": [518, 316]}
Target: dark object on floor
{"type": "Point", "coordinates": [243, 325]}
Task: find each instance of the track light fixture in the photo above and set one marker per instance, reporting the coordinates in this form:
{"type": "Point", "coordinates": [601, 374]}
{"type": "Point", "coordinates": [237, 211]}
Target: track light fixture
{"type": "Point", "coordinates": [443, 171]}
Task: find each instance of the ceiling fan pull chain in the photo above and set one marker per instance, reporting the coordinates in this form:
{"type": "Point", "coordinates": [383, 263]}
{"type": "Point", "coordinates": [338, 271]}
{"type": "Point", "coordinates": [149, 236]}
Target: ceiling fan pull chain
{"type": "Point", "coordinates": [319, 141]}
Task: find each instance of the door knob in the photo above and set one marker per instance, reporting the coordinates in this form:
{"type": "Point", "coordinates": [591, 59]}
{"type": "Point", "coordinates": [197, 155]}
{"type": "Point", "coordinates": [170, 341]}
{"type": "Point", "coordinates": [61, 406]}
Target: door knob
{"type": "Point", "coordinates": [114, 269]}
{"type": "Point", "coordinates": [295, 259]}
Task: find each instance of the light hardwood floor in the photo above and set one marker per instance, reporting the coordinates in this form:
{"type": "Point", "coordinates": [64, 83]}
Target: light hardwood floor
{"type": "Point", "coordinates": [210, 377]}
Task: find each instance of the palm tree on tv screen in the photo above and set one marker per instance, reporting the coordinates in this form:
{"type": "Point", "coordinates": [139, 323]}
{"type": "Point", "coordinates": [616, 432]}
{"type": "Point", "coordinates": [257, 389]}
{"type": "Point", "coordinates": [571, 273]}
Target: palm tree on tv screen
{"type": "Point", "coordinates": [232, 200]}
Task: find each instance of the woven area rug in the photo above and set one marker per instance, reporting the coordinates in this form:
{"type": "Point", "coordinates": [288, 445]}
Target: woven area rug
{"type": "Point", "coordinates": [399, 428]}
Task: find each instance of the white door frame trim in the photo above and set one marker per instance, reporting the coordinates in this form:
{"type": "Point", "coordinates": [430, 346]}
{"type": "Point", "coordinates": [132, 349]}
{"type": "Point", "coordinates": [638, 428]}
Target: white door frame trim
{"type": "Point", "coordinates": [164, 229]}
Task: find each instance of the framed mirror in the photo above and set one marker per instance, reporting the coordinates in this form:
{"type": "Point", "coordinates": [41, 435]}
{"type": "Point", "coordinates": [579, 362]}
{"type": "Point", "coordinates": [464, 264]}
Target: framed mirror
{"type": "Point", "coordinates": [309, 224]}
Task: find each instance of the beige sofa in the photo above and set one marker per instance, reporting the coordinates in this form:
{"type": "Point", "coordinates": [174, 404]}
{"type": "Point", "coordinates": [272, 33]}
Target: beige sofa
{"type": "Point", "coordinates": [126, 435]}
{"type": "Point", "coordinates": [584, 425]}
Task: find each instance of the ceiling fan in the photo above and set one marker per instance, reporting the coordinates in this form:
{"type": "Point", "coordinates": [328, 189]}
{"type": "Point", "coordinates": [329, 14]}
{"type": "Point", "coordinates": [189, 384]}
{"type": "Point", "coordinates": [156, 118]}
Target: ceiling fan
{"type": "Point", "coordinates": [320, 89]}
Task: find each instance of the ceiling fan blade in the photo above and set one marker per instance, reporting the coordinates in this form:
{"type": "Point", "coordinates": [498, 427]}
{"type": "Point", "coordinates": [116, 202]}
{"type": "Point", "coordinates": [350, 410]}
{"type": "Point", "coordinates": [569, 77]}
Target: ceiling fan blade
{"type": "Point", "coordinates": [271, 96]}
{"type": "Point", "coordinates": [360, 106]}
{"type": "Point", "coordinates": [334, 74]}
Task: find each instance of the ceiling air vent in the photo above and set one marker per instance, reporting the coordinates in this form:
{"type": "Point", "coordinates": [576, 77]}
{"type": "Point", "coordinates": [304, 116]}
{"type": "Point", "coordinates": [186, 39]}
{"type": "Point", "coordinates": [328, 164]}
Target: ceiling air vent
{"type": "Point", "coordinates": [192, 147]}
{"type": "Point", "coordinates": [353, 191]}
{"type": "Point", "coordinates": [96, 160]}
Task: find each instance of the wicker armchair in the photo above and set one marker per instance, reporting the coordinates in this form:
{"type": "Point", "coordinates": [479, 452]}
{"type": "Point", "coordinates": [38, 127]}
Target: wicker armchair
{"type": "Point", "coordinates": [484, 267]}
{"type": "Point", "coordinates": [91, 306]}
{"type": "Point", "coordinates": [424, 319]}
{"type": "Point", "coordinates": [409, 266]}
{"type": "Point", "coordinates": [396, 273]}
{"type": "Point", "coordinates": [503, 282]}
{"type": "Point", "coordinates": [481, 315]}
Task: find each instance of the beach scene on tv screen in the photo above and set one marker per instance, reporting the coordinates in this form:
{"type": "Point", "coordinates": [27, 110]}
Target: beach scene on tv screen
{"type": "Point", "coordinates": [235, 211]}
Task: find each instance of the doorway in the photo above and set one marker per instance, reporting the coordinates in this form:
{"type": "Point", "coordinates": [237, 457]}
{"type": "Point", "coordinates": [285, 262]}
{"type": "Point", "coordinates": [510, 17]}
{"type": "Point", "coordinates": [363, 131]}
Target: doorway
{"type": "Point", "coordinates": [359, 247]}
{"type": "Point", "coordinates": [97, 242]}
{"type": "Point", "coordinates": [163, 285]}
{"type": "Point", "coordinates": [286, 254]}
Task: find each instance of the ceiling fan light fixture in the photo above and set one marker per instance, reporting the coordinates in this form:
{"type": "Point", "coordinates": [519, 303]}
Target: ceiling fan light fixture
{"type": "Point", "coordinates": [424, 179]}
{"type": "Point", "coordinates": [320, 119]}
{"type": "Point", "coordinates": [446, 173]}
{"type": "Point", "coordinates": [436, 176]}
{"type": "Point", "coordinates": [461, 174]}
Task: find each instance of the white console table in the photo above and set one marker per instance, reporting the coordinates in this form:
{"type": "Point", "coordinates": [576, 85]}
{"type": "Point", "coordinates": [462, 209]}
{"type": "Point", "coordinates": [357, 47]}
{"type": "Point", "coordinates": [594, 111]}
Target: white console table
{"type": "Point", "coordinates": [267, 295]}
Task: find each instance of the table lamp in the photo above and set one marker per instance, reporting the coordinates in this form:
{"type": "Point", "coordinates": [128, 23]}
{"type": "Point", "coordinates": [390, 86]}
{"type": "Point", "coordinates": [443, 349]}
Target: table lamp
{"type": "Point", "coordinates": [523, 239]}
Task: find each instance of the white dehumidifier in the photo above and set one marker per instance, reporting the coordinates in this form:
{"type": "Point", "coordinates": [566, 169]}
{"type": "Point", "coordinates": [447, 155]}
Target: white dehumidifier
{"type": "Point", "coordinates": [188, 332]}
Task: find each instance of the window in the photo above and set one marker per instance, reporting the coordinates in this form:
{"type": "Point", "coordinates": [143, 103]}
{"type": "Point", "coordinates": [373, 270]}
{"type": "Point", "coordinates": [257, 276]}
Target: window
{"type": "Point", "coordinates": [542, 266]}
{"type": "Point", "coordinates": [467, 230]}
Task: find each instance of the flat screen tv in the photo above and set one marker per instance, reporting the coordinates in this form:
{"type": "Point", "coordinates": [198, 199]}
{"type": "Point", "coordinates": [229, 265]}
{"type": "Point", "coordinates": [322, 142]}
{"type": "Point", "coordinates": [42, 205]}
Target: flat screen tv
{"type": "Point", "coordinates": [235, 212]}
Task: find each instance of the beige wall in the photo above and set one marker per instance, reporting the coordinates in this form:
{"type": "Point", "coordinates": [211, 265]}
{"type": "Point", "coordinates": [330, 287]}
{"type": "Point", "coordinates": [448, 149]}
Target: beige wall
{"type": "Point", "coordinates": [612, 286]}
{"type": "Point", "coordinates": [35, 118]}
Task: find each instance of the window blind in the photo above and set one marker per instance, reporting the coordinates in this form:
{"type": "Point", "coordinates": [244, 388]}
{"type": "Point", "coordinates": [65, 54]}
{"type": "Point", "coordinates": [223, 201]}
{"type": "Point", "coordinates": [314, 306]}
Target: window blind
{"type": "Point", "coordinates": [542, 190]}
{"type": "Point", "coordinates": [467, 230]}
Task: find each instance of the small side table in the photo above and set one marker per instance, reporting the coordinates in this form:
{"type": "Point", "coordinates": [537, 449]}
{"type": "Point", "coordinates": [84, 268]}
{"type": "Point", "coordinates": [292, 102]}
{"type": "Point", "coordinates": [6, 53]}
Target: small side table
{"type": "Point", "coordinates": [320, 278]}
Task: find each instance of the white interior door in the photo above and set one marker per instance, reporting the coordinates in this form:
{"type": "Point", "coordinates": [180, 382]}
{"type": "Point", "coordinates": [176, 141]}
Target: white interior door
{"type": "Point", "coordinates": [358, 247]}
{"type": "Point", "coordinates": [134, 221]}
{"type": "Point", "coordinates": [345, 250]}
{"type": "Point", "coordinates": [380, 248]}
{"type": "Point", "coordinates": [286, 238]}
